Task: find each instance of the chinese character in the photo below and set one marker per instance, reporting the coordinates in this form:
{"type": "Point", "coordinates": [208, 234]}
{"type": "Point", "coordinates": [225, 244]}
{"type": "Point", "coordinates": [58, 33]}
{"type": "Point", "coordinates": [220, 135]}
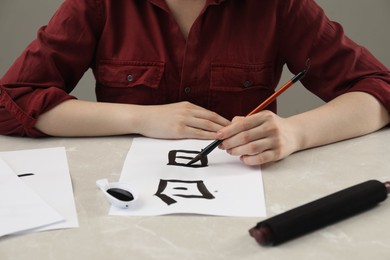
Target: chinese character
{"type": "Point", "coordinates": [181, 158]}
{"type": "Point", "coordinates": [183, 189]}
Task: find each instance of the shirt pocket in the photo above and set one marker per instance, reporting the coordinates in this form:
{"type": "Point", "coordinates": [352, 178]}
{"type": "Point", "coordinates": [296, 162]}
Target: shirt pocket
{"type": "Point", "coordinates": [128, 74]}
{"type": "Point", "coordinates": [238, 77]}
{"type": "Point", "coordinates": [236, 89]}
{"type": "Point", "coordinates": [131, 82]}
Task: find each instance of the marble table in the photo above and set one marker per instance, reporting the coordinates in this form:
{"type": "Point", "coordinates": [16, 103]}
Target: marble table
{"type": "Point", "coordinates": [300, 178]}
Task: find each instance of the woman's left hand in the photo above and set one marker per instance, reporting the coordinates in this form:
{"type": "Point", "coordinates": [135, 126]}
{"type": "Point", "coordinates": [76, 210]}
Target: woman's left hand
{"type": "Point", "coordinates": [260, 138]}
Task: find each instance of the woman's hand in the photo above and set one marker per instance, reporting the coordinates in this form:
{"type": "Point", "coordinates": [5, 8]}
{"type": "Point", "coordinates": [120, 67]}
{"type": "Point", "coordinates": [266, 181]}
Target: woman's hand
{"type": "Point", "coordinates": [258, 139]}
{"type": "Point", "coordinates": [266, 137]}
{"type": "Point", "coordinates": [172, 121]}
{"type": "Point", "coordinates": [180, 120]}
{"type": "Point", "coordinates": [261, 138]}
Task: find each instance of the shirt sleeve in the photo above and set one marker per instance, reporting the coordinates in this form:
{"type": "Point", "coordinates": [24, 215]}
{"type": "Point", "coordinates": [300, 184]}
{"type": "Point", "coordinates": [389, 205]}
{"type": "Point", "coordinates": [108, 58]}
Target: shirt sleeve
{"type": "Point", "coordinates": [338, 65]}
{"type": "Point", "coordinates": [50, 67]}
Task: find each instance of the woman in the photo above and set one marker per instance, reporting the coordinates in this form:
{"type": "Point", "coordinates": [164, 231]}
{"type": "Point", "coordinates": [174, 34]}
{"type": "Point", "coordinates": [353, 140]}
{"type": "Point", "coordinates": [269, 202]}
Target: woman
{"type": "Point", "coordinates": [185, 68]}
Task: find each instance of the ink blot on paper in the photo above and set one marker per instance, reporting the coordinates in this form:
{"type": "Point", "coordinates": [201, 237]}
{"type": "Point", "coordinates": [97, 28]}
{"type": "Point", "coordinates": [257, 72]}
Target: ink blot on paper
{"type": "Point", "coordinates": [167, 189]}
{"type": "Point", "coordinates": [182, 157]}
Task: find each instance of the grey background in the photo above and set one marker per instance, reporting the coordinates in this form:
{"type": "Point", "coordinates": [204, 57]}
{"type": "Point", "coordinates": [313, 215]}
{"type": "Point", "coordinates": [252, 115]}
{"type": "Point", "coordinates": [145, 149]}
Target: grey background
{"type": "Point", "coordinates": [365, 21]}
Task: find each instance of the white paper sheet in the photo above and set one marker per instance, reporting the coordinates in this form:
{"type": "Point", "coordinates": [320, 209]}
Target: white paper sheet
{"type": "Point", "coordinates": [51, 180]}
{"type": "Point", "coordinates": [21, 208]}
{"type": "Point", "coordinates": [237, 190]}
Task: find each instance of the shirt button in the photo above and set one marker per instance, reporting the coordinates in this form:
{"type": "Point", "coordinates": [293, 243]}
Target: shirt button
{"type": "Point", "coordinates": [130, 78]}
{"type": "Point", "coordinates": [247, 83]}
{"type": "Point", "coordinates": [187, 90]}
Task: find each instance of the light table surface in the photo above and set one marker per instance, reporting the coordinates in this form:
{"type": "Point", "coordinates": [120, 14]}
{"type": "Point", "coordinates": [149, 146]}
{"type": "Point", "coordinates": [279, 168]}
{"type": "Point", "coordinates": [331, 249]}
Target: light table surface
{"type": "Point", "coordinates": [300, 178]}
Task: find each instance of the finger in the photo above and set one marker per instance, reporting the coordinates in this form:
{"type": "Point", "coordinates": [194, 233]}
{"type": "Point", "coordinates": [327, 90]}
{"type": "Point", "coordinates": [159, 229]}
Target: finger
{"type": "Point", "coordinates": [196, 133]}
{"type": "Point", "coordinates": [204, 124]}
{"type": "Point", "coordinates": [197, 128]}
{"type": "Point", "coordinates": [211, 117]}
{"type": "Point", "coordinates": [250, 148]}
{"type": "Point", "coordinates": [240, 124]}
{"type": "Point", "coordinates": [236, 118]}
{"type": "Point", "coordinates": [254, 138]}
{"type": "Point", "coordinates": [202, 129]}
{"type": "Point", "coordinates": [259, 159]}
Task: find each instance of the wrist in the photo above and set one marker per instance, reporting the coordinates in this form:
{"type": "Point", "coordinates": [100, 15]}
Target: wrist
{"type": "Point", "coordinates": [297, 132]}
{"type": "Point", "coordinates": [130, 119]}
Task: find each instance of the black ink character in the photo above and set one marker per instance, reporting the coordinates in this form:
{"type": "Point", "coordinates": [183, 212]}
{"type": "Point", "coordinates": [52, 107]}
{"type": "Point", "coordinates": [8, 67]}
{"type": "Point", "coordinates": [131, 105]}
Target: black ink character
{"type": "Point", "coordinates": [184, 189]}
{"type": "Point", "coordinates": [175, 156]}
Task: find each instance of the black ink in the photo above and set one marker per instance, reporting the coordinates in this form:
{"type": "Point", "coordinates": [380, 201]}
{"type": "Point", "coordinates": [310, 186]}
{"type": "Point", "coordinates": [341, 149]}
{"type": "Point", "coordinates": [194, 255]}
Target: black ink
{"type": "Point", "coordinates": [120, 194]}
{"type": "Point", "coordinates": [201, 187]}
{"type": "Point", "coordinates": [25, 174]}
{"type": "Point", "coordinates": [180, 188]}
{"type": "Point", "coordinates": [173, 156]}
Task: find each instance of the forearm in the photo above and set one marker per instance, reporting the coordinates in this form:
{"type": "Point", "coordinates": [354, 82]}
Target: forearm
{"type": "Point", "coordinates": [347, 116]}
{"type": "Point", "coordinates": [83, 118]}
{"type": "Point", "coordinates": [173, 121]}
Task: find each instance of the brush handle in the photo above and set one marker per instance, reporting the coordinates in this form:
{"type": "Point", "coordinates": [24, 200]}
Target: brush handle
{"type": "Point", "coordinates": [208, 149]}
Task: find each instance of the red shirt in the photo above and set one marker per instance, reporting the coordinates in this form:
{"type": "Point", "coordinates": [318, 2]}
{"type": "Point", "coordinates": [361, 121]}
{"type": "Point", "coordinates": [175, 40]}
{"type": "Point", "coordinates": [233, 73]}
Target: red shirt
{"type": "Point", "coordinates": [231, 61]}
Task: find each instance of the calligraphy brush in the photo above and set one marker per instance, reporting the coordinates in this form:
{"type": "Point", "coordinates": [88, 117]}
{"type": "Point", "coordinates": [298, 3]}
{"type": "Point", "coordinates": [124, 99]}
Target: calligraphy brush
{"type": "Point", "coordinates": [208, 149]}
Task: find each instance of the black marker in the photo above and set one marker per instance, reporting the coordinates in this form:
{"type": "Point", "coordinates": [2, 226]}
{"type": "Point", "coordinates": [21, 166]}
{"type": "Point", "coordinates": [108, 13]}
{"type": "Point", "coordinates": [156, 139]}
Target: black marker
{"type": "Point", "coordinates": [320, 213]}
